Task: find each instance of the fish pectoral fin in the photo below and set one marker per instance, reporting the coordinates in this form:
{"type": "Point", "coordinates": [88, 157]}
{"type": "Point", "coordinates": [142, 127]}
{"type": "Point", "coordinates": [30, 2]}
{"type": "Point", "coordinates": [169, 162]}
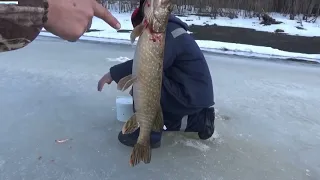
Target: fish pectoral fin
{"type": "Point", "coordinates": [126, 82]}
{"type": "Point", "coordinates": [136, 32]}
{"type": "Point", "coordinates": [131, 125]}
{"type": "Point", "coordinates": [158, 122]}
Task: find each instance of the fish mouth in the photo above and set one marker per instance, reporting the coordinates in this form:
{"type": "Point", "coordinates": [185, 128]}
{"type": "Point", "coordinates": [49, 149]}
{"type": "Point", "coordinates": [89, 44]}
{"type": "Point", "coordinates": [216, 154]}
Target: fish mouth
{"type": "Point", "coordinates": [155, 21]}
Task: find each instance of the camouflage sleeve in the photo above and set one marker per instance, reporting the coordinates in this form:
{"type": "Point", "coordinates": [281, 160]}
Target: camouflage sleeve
{"type": "Point", "coordinates": [21, 24]}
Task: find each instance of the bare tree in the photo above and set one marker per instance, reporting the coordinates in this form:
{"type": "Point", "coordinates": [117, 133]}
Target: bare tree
{"type": "Point", "coordinates": [232, 8]}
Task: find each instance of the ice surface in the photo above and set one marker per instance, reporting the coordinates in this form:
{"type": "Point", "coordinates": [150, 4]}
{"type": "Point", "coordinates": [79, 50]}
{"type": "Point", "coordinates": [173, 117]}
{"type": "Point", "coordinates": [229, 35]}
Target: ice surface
{"type": "Point", "coordinates": [267, 121]}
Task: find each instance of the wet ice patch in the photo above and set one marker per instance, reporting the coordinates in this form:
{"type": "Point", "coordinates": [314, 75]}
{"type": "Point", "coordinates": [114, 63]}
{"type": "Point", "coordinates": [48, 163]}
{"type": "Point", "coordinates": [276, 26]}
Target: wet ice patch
{"type": "Point", "coordinates": [221, 117]}
{"type": "Point", "coordinates": [307, 172]}
{"type": "Point", "coordinates": [214, 136]}
{"type": "Point", "coordinates": [194, 144]}
{"type": "Point", "coordinates": [118, 59]}
{"type": "Point", "coordinates": [192, 140]}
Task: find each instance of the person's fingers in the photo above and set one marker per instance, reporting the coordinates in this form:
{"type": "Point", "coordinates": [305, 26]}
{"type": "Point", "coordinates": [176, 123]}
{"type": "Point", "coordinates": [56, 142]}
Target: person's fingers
{"type": "Point", "coordinates": [101, 84]}
{"type": "Point", "coordinates": [104, 14]}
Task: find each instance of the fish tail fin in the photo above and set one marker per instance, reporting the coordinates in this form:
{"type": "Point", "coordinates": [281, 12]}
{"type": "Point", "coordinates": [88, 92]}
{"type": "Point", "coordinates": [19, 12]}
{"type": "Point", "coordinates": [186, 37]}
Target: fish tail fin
{"type": "Point", "coordinates": [158, 122]}
{"type": "Point", "coordinates": [140, 153]}
{"type": "Point", "coordinates": [131, 125]}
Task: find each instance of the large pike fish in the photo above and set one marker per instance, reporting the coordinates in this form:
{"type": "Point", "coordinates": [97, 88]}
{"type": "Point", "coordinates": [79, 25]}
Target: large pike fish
{"type": "Point", "coordinates": [146, 77]}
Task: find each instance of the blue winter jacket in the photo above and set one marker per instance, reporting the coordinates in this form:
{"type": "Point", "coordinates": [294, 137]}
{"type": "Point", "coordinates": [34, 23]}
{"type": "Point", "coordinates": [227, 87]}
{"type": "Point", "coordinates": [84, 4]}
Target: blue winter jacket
{"type": "Point", "coordinates": [187, 83]}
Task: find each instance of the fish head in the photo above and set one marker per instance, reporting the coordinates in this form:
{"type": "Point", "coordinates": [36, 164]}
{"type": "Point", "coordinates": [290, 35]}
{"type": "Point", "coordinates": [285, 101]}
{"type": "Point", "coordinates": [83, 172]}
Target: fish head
{"type": "Point", "coordinates": [162, 7]}
{"type": "Point", "coordinates": [157, 13]}
{"type": "Point", "coordinates": [166, 5]}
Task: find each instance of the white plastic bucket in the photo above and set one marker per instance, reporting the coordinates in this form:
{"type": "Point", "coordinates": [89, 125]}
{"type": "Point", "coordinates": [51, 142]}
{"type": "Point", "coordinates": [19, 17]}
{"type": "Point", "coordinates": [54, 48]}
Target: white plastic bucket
{"type": "Point", "coordinates": [124, 108]}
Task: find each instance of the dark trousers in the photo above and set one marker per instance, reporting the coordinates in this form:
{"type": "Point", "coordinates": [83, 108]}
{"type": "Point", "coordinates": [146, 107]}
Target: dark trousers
{"type": "Point", "coordinates": [172, 121]}
{"type": "Point", "coordinates": [195, 121]}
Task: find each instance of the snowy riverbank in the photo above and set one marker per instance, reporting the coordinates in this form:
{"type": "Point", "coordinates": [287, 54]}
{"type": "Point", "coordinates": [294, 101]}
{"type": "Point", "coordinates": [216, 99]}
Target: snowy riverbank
{"type": "Point", "coordinates": [107, 34]}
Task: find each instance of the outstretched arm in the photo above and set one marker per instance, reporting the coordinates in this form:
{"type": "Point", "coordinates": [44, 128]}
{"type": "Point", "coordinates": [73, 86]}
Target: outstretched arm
{"type": "Point", "coordinates": [119, 71]}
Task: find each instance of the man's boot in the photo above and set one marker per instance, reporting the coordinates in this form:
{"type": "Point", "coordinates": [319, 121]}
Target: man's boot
{"type": "Point", "coordinates": [208, 129]}
{"type": "Point", "coordinates": [202, 122]}
{"type": "Point", "coordinates": [131, 139]}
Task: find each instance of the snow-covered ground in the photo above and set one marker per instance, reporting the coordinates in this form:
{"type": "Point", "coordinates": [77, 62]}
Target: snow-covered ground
{"type": "Point", "coordinates": [289, 26]}
{"type": "Point", "coordinates": [8, 2]}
